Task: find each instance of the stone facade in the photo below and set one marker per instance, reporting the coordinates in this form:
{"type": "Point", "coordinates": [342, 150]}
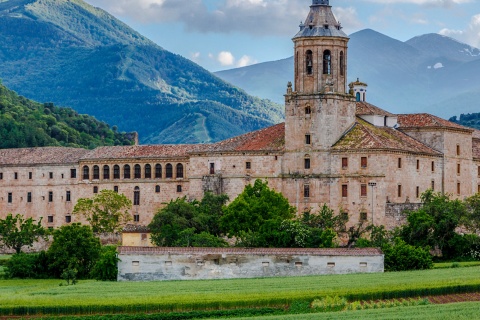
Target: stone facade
{"type": "Point", "coordinates": [147, 264]}
{"type": "Point", "coordinates": [357, 158]}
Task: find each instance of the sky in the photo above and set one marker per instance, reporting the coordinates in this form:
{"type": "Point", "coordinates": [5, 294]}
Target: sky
{"type": "Point", "coordinates": [226, 34]}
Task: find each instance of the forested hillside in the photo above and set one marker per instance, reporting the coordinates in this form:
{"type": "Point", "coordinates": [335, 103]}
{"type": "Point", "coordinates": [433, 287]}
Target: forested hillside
{"type": "Point", "coordinates": [73, 54]}
{"type": "Point", "coordinates": [25, 123]}
{"type": "Point", "coordinates": [471, 120]}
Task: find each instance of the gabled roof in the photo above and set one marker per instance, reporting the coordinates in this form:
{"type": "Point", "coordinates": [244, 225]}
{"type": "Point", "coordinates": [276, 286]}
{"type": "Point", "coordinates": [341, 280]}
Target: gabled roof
{"type": "Point", "coordinates": [45, 155]}
{"type": "Point", "coordinates": [425, 120]}
{"type": "Point", "coordinates": [365, 136]}
{"type": "Point", "coordinates": [152, 151]}
{"type": "Point", "coordinates": [268, 139]}
{"type": "Point", "coordinates": [365, 108]}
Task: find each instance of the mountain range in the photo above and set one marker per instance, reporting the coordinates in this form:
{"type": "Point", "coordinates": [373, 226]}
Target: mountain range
{"type": "Point", "coordinates": [429, 73]}
{"type": "Point", "coordinates": [73, 54]}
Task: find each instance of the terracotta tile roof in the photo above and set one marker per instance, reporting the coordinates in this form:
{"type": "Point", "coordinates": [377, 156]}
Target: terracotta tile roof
{"type": "Point", "coordinates": [365, 108]}
{"type": "Point", "coordinates": [268, 139]}
{"type": "Point", "coordinates": [46, 155]}
{"type": "Point", "coordinates": [133, 228]}
{"type": "Point", "coordinates": [151, 151]}
{"type": "Point", "coordinates": [255, 251]}
{"type": "Point", "coordinates": [423, 120]}
{"type": "Point", "coordinates": [365, 136]}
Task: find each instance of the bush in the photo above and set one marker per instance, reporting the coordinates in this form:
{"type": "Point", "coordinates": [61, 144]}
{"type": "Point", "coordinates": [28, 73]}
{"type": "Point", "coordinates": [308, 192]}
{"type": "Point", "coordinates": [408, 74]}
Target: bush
{"type": "Point", "coordinates": [106, 268]}
{"type": "Point", "coordinates": [329, 304]}
{"type": "Point", "coordinates": [402, 257]}
{"type": "Point", "coordinates": [27, 266]}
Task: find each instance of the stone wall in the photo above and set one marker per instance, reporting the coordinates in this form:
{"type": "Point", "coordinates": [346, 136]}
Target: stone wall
{"type": "Point", "coordinates": [153, 264]}
{"type": "Point", "coordinates": [395, 213]}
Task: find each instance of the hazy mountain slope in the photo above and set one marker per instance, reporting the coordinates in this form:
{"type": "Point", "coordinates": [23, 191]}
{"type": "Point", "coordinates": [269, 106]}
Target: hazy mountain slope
{"type": "Point", "coordinates": [25, 123]}
{"type": "Point", "coordinates": [429, 73]}
{"type": "Point", "coordinates": [76, 55]}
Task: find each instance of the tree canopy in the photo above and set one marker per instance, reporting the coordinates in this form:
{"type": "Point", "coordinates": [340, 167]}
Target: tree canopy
{"type": "Point", "coordinates": [107, 211]}
{"type": "Point", "coordinates": [16, 232]}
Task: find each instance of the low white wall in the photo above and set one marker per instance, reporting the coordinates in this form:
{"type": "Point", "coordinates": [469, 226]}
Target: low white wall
{"type": "Point", "coordinates": [150, 264]}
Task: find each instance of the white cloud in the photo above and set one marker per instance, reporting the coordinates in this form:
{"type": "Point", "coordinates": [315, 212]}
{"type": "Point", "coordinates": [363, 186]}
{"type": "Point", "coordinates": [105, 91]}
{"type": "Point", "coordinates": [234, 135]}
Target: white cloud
{"type": "Point", "coordinates": [348, 17]}
{"type": "Point", "coordinates": [433, 3]}
{"type": "Point", "coordinates": [195, 56]}
{"type": "Point", "coordinates": [471, 35]}
{"type": "Point", "coordinates": [245, 61]}
{"type": "Point", "coordinates": [226, 58]}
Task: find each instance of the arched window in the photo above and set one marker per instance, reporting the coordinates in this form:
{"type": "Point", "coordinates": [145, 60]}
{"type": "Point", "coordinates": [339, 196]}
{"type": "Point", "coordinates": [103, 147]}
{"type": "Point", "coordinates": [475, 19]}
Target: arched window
{"type": "Point", "coordinates": [309, 61]}
{"type": "Point", "coordinates": [116, 172]}
{"type": "Point", "coordinates": [126, 172]}
{"type": "Point", "coordinates": [137, 171]}
{"type": "Point", "coordinates": [327, 62]}
{"type": "Point", "coordinates": [358, 96]}
{"type": "Point", "coordinates": [136, 196]}
{"type": "Point", "coordinates": [342, 63]}
{"type": "Point", "coordinates": [157, 189]}
{"type": "Point", "coordinates": [308, 110]}
{"type": "Point", "coordinates": [179, 170]}
{"type": "Point", "coordinates": [148, 171]}
{"type": "Point", "coordinates": [158, 171]}
{"type": "Point", "coordinates": [96, 172]}
{"type": "Point", "coordinates": [169, 171]}
{"type": "Point", "coordinates": [86, 173]}
{"type": "Point", "coordinates": [106, 172]}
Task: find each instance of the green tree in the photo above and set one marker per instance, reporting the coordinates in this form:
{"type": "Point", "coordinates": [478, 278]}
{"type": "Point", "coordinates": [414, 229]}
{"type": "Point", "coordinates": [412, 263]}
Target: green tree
{"type": "Point", "coordinates": [106, 267]}
{"type": "Point", "coordinates": [16, 232]}
{"type": "Point", "coordinates": [434, 224]}
{"type": "Point", "coordinates": [256, 205]}
{"type": "Point", "coordinates": [471, 219]}
{"type": "Point", "coordinates": [73, 247]}
{"type": "Point", "coordinates": [107, 211]}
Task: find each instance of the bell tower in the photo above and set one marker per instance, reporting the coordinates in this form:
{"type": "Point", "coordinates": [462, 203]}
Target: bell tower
{"type": "Point", "coordinates": [318, 110]}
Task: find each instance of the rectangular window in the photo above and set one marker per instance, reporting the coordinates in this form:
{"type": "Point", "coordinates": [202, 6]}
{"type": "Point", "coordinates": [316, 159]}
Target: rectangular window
{"type": "Point", "coordinates": [399, 191]}
{"type": "Point", "coordinates": [418, 192]}
{"type": "Point", "coordinates": [458, 149]}
{"type": "Point", "coordinates": [15, 175]}
{"type": "Point", "coordinates": [307, 163]}
{"type": "Point", "coordinates": [399, 163]}
{"type": "Point", "coordinates": [418, 164]}
{"type": "Point", "coordinates": [363, 190]}
{"type": "Point", "coordinates": [344, 163]}
{"type": "Point", "coordinates": [95, 189]}
{"type": "Point", "coordinates": [1, 174]}
{"type": "Point", "coordinates": [248, 165]}
{"type": "Point", "coordinates": [50, 219]}
{"type": "Point", "coordinates": [308, 139]}
{"type": "Point", "coordinates": [68, 196]}
{"type": "Point", "coordinates": [344, 191]}
{"type": "Point", "coordinates": [50, 175]}
{"type": "Point", "coordinates": [115, 189]}
{"type": "Point", "coordinates": [306, 191]}
{"type": "Point", "coordinates": [179, 188]}
{"type": "Point", "coordinates": [433, 166]}
{"type": "Point", "coordinates": [30, 175]}
{"type": "Point", "coordinates": [136, 218]}
{"type": "Point", "coordinates": [458, 168]}
{"type": "Point", "coordinates": [10, 197]}
{"type": "Point", "coordinates": [478, 189]}
{"type": "Point", "coordinates": [363, 216]}
{"type": "Point", "coordinates": [212, 168]}
{"type": "Point", "coordinates": [68, 219]}
{"type": "Point", "coordinates": [73, 173]}
{"type": "Point", "coordinates": [478, 169]}
{"type": "Point", "coordinates": [363, 162]}
{"type": "Point", "coordinates": [29, 197]}
{"type": "Point", "coordinates": [433, 185]}
{"type": "Point", "coordinates": [50, 196]}
{"type": "Point", "coordinates": [459, 188]}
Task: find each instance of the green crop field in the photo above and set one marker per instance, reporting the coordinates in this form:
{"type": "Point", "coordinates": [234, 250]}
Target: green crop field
{"type": "Point", "coordinates": [456, 311]}
{"type": "Point", "coordinates": [442, 265]}
{"type": "Point", "coordinates": [87, 297]}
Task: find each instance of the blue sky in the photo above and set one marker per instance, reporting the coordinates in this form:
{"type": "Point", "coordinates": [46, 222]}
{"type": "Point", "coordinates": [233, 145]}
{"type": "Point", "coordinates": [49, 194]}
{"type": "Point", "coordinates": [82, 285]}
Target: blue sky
{"type": "Point", "coordinates": [224, 34]}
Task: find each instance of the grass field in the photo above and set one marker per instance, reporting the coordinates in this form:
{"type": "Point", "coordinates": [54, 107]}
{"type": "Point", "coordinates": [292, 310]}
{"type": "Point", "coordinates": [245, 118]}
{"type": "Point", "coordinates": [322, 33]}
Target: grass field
{"type": "Point", "coordinates": [443, 265]}
{"type": "Point", "coordinates": [456, 311]}
{"type": "Point", "coordinates": [90, 296]}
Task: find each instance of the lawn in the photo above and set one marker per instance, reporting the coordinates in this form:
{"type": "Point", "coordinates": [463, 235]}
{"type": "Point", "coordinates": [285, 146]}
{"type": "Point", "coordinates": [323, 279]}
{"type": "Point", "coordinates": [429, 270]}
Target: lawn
{"type": "Point", "coordinates": [456, 311]}
{"type": "Point", "coordinates": [90, 296]}
{"type": "Point", "coordinates": [441, 265]}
